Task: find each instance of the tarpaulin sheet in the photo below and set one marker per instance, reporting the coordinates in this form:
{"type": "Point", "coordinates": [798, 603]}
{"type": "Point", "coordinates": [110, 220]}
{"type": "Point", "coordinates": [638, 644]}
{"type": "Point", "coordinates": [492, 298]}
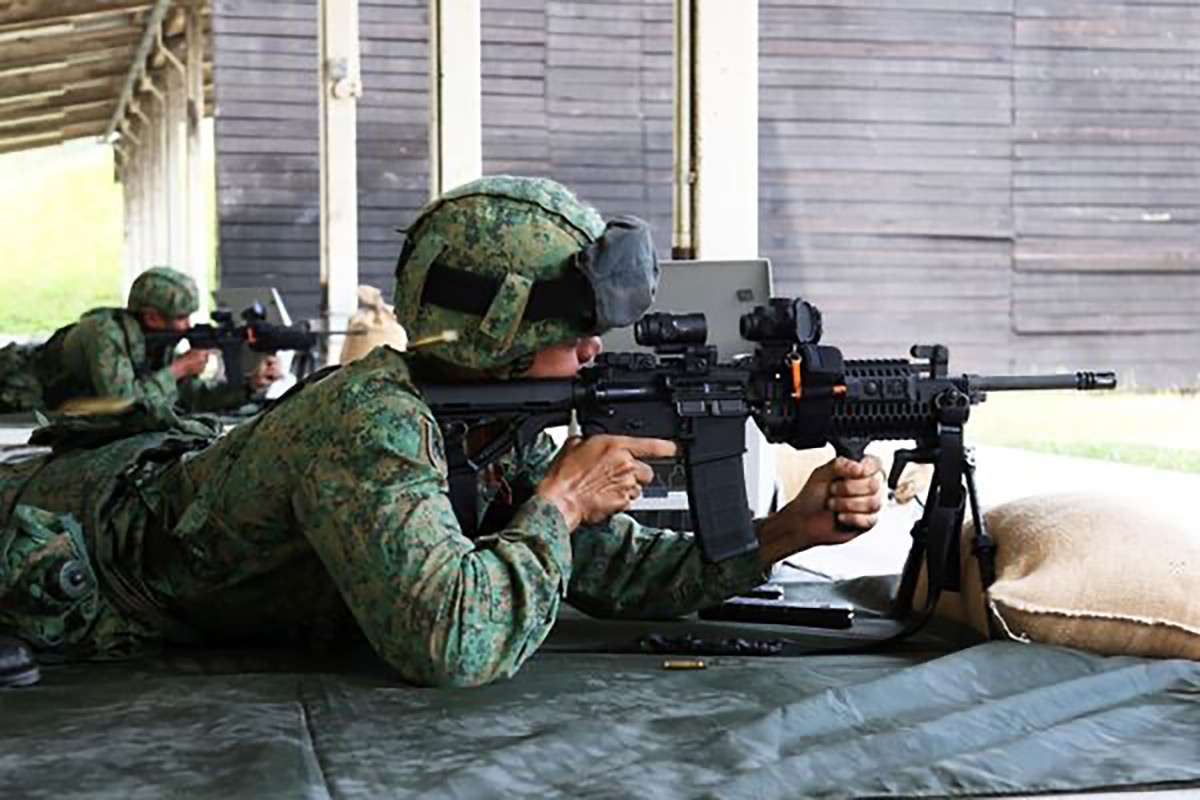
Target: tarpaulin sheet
{"type": "Point", "coordinates": [991, 718]}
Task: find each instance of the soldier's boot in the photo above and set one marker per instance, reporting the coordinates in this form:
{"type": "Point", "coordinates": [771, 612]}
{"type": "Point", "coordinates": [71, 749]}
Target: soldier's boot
{"type": "Point", "coordinates": [17, 664]}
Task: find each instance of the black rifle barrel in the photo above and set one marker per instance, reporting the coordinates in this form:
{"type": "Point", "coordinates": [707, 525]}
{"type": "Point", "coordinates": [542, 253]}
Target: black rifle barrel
{"type": "Point", "coordinates": [1083, 381]}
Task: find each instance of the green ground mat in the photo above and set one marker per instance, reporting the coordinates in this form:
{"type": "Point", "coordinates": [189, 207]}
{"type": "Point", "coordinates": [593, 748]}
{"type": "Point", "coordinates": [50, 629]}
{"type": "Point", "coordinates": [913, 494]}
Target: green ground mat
{"type": "Point", "coordinates": [994, 717]}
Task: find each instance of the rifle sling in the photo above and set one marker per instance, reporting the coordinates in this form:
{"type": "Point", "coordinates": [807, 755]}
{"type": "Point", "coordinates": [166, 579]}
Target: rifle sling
{"type": "Point", "coordinates": [463, 477]}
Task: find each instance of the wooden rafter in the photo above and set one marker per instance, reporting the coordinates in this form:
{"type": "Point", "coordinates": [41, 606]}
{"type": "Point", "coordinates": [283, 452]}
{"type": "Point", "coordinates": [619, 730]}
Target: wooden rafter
{"type": "Point", "coordinates": [58, 78]}
{"type": "Point", "coordinates": [26, 54]}
{"type": "Point", "coordinates": [20, 14]}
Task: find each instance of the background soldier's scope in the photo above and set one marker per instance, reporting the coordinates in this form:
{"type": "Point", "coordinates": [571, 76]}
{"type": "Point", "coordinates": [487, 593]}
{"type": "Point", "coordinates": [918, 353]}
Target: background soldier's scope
{"type": "Point", "coordinates": [784, 320]}
{"type": "Point", "coordinates": [663, 329]}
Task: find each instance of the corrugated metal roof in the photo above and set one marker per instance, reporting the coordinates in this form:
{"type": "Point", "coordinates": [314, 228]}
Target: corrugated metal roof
{"type": "Point", "coordinates": [63, 64]}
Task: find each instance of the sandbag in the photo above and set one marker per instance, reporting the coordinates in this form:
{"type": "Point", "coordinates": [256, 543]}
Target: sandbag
{"type": "Point", "coordinates": [372, 325]}
{"type": "Point", "coordinates": [1087, 571]}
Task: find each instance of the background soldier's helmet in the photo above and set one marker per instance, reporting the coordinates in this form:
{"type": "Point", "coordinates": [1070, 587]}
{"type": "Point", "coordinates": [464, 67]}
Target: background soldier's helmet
{"type": "Point", "coordinates": [167, 290]}
{"type": "Point", "coordinates": [514, 264]}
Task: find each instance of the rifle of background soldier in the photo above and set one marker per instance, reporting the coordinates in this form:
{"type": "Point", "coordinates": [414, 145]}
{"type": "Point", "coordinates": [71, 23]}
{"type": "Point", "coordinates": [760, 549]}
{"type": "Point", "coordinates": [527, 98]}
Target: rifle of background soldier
{"type": "Point", "coordinates": [255, 333]}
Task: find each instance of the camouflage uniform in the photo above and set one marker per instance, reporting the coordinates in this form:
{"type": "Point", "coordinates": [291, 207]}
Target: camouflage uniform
{"type": "Point", "coordinates": [105, 355]}
{"type": "Point", "coordinates": [334, 505]}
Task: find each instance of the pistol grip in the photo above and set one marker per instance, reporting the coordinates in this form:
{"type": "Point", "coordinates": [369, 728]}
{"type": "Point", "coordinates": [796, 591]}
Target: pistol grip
{"type": "Point", "coordinates": [856, 450]}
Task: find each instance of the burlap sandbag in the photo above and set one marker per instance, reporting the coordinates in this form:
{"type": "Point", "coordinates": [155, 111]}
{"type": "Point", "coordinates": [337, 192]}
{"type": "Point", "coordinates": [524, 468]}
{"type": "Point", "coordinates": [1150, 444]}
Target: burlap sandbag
{"type": "Point", "coordinates": [1087, 571]}
{"type": "Point", "coordinates": [372, 325]}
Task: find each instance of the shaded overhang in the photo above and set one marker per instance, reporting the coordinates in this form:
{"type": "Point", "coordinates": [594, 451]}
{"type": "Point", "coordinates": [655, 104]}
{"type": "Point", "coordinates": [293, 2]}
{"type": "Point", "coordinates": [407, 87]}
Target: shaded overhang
{"type": "Point", "coordinates": [69, 67]}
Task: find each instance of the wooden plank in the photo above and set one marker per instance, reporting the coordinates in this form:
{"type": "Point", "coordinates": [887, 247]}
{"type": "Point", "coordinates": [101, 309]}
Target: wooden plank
{"type": "Point", "coordinates": [993, 112]}
{"type": "Point", "coordinates": [62, 100]}
{"type": "Point", "coordinates": [1003, 7]}
{"type": "Point", "coordinates": [22, 14]}
{"type": "Point", "coordinates": [882, 28]}
{"type": "Point", "coordinates": [67, 46]}
{"type": "Point", "coordinates": [1092, 321]}
{"type": "Point", "coordinates": [896, 50]}
{"type": "Point", "coordinates": [887, 131]}
{"type": "Point", "coordinates": [83, 117]}
{"type": "Point", "coordinates": [1105, 255]}
{"type": "Point", "coordinates": [1100, 199]}
{"type": "Point", "coordinates": [59, 78]}
{"type": "Point", "coordinates": [1026, 177]}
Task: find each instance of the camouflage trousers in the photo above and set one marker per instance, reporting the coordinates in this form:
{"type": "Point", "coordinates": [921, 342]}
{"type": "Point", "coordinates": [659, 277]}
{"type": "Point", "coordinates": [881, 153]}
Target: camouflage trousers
{"type": "Point", "coordinates": [20, 389]}
{"type": "Point", "coordinates": [67, 520]}
{"type": "Point", "coordinates": [49, 594]}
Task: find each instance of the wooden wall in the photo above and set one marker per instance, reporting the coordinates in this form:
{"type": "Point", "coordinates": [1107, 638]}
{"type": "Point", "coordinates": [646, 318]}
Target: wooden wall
{"type": "Point", "coordinates": [266, 131]}
{"type": "Point", "coordinates": [1017, 179]}
{"type": "Point", "coordinates": [886, 148]}
{"type": "Point", "coordinates": [1106, 186]}
{"type": "Point", "coordinates": [581, 92]}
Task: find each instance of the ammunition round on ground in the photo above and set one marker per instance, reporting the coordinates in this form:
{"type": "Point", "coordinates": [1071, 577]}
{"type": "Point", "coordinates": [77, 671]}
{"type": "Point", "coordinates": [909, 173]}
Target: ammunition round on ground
{"type": "Point", "coordinates": [683, 663]}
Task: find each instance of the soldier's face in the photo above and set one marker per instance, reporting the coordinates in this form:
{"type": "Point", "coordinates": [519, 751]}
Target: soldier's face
{"type": "Point", "coordinates": [155, 320]}
{"type": "Point", "coordinates": [564, 359]}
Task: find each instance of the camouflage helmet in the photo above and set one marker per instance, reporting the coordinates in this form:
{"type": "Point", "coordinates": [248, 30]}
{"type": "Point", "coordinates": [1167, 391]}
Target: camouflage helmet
{"type": "Point", "coordinates": [166, 290]}
{"type": "Point", "coordinates": [476, 260]}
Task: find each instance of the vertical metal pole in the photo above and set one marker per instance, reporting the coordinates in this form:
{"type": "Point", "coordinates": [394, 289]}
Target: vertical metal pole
{"type": "Point", "coordinates": [163, 191]}
{"type": "Point", "coordinates": [133, 213]}
{"type": "Point", "coordinates": [178, 210]}
{"type": "Point", "coordinates": [435, 98]}
{"type": "Point", "coordinates": [341, 86]}
{"type": "Point", "coordinates": [725, 108]}
{"type": "Point", "coordinates": [125, 174]}
{"type": "Point", "coordinates": [683, 245]}
{"type": "Point", "coordinates": [716, 160]}
{"type": "Point", "coordinates": [455, 94]}
{"type": "Point", "coordinates": [143, 194]}
{"type": "Point", "coordinates": [197, 218]}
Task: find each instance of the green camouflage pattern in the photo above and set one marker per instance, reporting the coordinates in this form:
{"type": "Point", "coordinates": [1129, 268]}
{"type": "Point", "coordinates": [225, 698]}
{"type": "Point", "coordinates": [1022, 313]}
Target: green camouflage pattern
{"type": "Point", "coordinates": [103, 355]}
{"type": "Point", "coordinates": [20, 389]}
{"type": "Point", "coordinates": [329, 515]}
{"type": "Point", "coordinates": [512, 228]}
{"type": "Point", "coordinates": [166, 290]}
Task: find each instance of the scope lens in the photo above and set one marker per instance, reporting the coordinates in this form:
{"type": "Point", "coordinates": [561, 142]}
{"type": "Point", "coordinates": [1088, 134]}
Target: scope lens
{"type": "Point", "coordinates": [662, 328]}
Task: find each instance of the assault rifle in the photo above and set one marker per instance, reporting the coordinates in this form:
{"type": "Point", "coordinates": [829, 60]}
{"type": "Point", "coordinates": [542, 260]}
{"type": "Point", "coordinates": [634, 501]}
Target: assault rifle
{"type": "Point", "coordinates": [253, 333]}
{"type": "Point", "coordinates": [799, 392]}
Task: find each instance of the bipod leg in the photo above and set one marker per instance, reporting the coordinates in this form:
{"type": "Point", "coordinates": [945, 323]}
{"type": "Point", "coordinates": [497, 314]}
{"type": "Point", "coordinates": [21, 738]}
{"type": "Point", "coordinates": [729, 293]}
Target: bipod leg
{"type": "Point", "coordinates": [983, 547]}
{"type": "Point", "coordinates": [902, 606]}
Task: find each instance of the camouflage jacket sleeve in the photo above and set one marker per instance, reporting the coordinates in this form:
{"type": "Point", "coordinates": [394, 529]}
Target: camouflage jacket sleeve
{"type": "Point", "coordinates": [112, 356]}
{"type": "Point", "coordinates": [621, 568]}
{"type": "Point", "coordinates": [442, 609]}
{"type": "Point", "coordinates": [198, 395]}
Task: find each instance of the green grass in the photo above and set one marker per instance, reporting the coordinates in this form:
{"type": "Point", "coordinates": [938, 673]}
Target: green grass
{"type": "Point", "coordinates": [61, 224]}
{"type": "Point", "coordinates": [1142, 455]}
{"type": "Point", "coordinates": [1160, 429]}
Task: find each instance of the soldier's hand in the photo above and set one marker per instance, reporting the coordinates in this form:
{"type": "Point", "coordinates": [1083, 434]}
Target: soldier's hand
{"type": "Point", "coordinates": [190, 364]}
{"type": "Point", "coordinates": [850, 491]}
{"type": "Point", "coordinates": [592, 479]}
{"type": "Point", "coordinates": [267, 372]}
